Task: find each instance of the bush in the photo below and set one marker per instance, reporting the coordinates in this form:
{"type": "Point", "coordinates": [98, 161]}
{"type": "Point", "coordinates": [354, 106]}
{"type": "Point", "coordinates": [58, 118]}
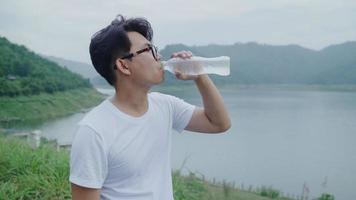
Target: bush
{"type": "Point", "coordinates": [188, 188]}
{"type": "Point", "coordinates": [269, 192]}
{"type": "Point", "coordinates": [326, 196]}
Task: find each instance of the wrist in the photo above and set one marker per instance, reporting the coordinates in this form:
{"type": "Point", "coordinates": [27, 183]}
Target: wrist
{"type": "Point", "coordinates": [201, 78]}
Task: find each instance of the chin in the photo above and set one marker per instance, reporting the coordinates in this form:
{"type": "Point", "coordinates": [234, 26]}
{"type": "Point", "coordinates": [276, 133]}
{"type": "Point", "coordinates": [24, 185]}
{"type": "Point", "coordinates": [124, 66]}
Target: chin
{"type": "Point", "coordinates": [161, 81]}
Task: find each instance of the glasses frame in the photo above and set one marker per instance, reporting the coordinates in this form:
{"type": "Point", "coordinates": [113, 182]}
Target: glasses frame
{"type": "Point", "coordinates": [151, 48]}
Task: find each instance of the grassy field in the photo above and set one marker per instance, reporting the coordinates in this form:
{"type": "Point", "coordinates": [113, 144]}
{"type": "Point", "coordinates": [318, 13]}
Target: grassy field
{"type": "Point", "coordinates": [30, 110]}
{"type": "Point", "coordinates": [193, 187]}
{"type": "Point", "coordinates": [42, 173]}
{"type": "Point", "coordinates": [27, 173]}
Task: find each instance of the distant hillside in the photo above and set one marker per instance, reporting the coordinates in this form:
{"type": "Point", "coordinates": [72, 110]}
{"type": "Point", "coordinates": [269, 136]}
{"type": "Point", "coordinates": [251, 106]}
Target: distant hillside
{"type": "Point", "coordinates": [84, 69]}
{"type": "Point", "coordinates": [22, 72]}
{"type": "Point", "coordinates": [253, 63]}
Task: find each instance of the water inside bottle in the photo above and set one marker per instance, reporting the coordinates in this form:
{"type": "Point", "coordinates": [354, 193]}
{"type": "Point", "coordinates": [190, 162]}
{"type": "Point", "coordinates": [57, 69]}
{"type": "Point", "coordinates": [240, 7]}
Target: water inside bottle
{"type": "Point", "coordinates": [199, 65]}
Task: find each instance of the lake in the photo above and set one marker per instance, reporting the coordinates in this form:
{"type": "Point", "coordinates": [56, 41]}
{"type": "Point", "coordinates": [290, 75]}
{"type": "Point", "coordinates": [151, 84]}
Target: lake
{"type": "Point", "coordinates": [280, 138]}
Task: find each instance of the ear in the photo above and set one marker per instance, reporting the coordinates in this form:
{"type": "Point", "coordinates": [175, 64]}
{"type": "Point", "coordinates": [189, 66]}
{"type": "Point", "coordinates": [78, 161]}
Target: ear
{"type": "Point", "coordinates": [122, 66]}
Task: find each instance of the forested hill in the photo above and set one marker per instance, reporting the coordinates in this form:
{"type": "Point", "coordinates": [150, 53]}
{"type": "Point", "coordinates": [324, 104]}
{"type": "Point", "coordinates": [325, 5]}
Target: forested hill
{"type": "Point", "coordinates": [22, 72]}
{"type": "Point", "coordinates": [253, 63]}
{"type": "Point", "coordinates": [256, 64]}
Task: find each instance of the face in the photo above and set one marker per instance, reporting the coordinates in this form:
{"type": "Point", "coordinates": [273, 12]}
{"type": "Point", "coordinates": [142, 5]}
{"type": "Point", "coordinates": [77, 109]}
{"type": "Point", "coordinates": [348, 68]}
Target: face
{"type": "Point", "coordinates": [143, 67]}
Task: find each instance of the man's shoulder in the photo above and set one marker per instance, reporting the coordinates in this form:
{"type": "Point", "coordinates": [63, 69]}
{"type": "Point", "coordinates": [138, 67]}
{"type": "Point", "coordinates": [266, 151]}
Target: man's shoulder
{"type": "Point", "coordinates": [102, 121]}
{"type": "Point", "coordinates": [96, 116]}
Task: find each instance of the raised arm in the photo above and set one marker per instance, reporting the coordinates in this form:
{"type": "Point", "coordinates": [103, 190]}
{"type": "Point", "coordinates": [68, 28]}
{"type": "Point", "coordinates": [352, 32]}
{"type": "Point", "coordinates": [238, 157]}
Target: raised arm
{"type": "Point", "coordinates": [213, 117]}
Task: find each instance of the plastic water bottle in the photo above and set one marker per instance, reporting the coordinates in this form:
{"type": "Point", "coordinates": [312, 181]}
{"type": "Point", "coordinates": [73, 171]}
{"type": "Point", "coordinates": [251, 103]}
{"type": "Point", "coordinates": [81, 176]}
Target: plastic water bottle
{"type": "Point", "coordinates": [199, 65]}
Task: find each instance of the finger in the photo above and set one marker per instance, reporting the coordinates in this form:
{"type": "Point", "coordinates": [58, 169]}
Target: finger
{"type": "Point", "coordinates": [177, 54]}
{"type": "Point", "coordinates": [174, 55]}
{"type": "Point", "coordinates": [178, 75]}
{"type": "Point", "coordinates": [176, 71]}
{"type": "Point", "coordinates": [182, 54]}
{"type": "Point", "coordinates": [186, 54]}
{"type": "Point", "coordinates": [190, 53]}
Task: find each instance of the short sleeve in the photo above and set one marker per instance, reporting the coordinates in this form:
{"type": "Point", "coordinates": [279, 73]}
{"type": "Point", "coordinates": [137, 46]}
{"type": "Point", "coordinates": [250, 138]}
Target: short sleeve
{"type": "Point", "coordinates": [182, 113]}
{"type": "Point", "coordinates": [88, 159]}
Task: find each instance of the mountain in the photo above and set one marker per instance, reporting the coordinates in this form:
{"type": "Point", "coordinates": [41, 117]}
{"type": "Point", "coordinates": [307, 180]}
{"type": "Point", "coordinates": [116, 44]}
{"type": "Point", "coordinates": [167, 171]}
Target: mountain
{"type": "Point", "coordinates": [253, 63]}
{"type": "Point", "coordinates": [339, 62]}
{"type": "Point", "coordinates": [23, 72]}
{"type": "Point", "coordinates": [84, 69]}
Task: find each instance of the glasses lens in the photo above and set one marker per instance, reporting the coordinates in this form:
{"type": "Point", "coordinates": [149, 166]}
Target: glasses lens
{"type": "Point", "coordinates": [154, 52]}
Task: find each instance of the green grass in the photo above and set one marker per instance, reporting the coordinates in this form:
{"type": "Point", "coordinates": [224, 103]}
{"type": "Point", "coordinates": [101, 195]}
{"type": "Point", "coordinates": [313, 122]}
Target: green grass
{"type": "Point", "coordinates": [27, 110]}
{"type": "Point", "coordinates": [42, 173]}
{"type": "Point", "coordinates": [27, 173]}
{"type": "Point", "coordinates": [191, 187]}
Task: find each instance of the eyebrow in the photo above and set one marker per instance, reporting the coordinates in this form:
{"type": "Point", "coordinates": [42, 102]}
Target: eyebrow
{"type": "Point", "coordinates": [146, 44]}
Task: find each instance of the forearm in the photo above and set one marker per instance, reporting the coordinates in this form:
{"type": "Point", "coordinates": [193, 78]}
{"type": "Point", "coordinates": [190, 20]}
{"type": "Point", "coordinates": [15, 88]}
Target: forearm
{"type": "Point", "coordinates": [214, 107]}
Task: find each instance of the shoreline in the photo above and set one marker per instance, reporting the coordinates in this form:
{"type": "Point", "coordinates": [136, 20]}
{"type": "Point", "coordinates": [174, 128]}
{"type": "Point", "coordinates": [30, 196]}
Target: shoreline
{"type": "Point", "coordinates": [301, 87]}
{"type": "Point", "coordinates": [29, 111]}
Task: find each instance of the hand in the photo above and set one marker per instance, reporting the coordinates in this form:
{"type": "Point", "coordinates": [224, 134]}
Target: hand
{"type": "Point", "coordinates": [183, 55]}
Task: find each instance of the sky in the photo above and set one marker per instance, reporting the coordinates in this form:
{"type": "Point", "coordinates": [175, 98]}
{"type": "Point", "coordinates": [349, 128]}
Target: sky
{"type": "Point", "coordinates": [63, 28]}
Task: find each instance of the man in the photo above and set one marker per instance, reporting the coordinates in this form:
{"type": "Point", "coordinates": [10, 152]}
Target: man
{"type": "Point", "coordinates": [122, 148]}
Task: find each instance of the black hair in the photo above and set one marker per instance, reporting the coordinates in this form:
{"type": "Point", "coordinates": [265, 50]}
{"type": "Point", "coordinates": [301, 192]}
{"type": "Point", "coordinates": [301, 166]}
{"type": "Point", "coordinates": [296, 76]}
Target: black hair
{"type": "Point", "coordinates": [112, 42]}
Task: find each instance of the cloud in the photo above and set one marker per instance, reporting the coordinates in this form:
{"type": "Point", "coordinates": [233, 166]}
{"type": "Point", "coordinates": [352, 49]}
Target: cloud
{"type": "Point", "coordinates": [63, 28]}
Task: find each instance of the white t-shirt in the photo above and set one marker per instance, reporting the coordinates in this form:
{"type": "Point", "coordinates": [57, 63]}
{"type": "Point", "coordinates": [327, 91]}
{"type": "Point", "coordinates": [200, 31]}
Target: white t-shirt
{"type": "Point", "coordinates": [128, 157]}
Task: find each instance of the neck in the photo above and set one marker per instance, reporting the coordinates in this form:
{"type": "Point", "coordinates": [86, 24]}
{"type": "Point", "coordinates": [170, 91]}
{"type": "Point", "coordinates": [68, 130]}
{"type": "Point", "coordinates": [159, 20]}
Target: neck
{"type": "Point", "coordinates": [131, 99]}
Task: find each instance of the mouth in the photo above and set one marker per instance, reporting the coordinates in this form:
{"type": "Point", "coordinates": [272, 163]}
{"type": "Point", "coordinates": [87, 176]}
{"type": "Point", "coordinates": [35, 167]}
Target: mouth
{"type": "Point", "coordinates": [161, 67]}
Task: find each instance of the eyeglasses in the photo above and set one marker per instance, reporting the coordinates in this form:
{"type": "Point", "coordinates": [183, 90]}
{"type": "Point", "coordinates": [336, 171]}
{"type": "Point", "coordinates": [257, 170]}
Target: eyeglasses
{"type": "Point", "coordinates": [151, 48]}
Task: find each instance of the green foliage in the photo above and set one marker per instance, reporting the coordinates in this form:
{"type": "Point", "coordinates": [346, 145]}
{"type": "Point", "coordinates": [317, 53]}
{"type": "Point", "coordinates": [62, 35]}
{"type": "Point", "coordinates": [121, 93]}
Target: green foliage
{"type": "Point", "coordinates": [188, 188]}
{"type": "Point", "coordinates": [269, 192]}
{"type": "Point", "coordinates": [22, 72]}
{"type": "Point", "coordinates": [226, 189]}
{"type": "Point", "coordinates": [326, 196]}
{"type": "Point", "coordinates": [33, 110]}
{"type": "Point", "coordinates": [27, 173]}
